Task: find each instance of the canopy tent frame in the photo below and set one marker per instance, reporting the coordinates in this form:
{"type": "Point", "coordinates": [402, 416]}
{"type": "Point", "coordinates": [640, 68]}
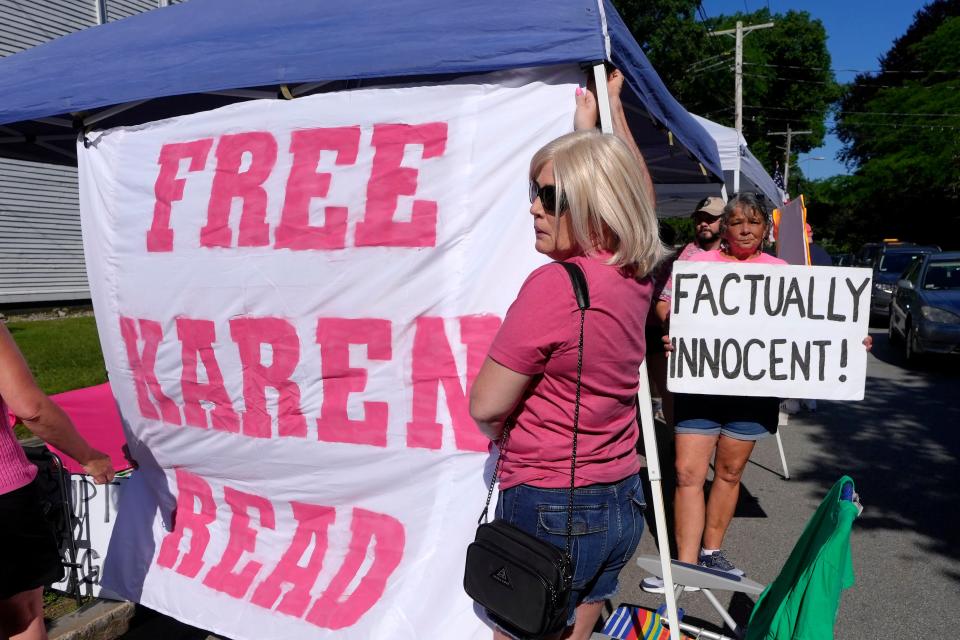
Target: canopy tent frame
{"type": "Point", "coordinates": [198, 56]}
{"type": "Point", "coordinates": [645, 409]}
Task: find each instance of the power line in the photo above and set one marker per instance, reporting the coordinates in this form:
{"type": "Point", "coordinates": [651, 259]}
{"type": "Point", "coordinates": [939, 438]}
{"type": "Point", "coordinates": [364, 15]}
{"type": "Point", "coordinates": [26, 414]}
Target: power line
{"type": "Point", "coordinates": [703, 13]}
{"type": "Point", "coordinates": [720, 64]}
{"type": "Point", "coordinates": [933, 127]}
{"type": "Point", "coordinates": [864, 113]}
{"type": "Point", "coordinates": [726, 53]}
{"type": "Point", "coordinates": [823, 82]}
{"type": "Point", "coordinates": [879, 125]}
{"type": "Point", "coordinates": [809, 68]}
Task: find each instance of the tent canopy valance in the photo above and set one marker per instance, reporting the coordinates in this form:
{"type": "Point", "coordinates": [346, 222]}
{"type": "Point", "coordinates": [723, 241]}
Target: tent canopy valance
{"type": "Point", "coordinates": [204, 54]}
{"type": "Point", "coordinates": [679, 199]}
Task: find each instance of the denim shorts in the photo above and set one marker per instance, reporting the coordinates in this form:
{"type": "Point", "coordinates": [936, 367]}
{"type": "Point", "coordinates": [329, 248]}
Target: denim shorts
{"type": "Point", "coordinates": [607, 525]}
{"type": "Point", "coordinates": [735, 430]}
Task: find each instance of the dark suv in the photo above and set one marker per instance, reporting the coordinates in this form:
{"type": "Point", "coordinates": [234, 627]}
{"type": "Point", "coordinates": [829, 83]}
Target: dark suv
{"type": "Point", "coordinates": [889, 263]}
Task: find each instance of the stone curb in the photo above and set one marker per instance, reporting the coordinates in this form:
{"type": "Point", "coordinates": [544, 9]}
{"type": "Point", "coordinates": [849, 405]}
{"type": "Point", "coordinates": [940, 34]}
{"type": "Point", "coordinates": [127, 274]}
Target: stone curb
{"type": "Point", "coordinates": [99, 620]}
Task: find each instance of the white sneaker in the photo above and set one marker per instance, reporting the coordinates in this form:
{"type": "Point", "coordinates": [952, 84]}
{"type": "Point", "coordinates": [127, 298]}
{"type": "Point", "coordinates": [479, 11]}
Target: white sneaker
{"type": "Point", "coordinates": [653, 584]}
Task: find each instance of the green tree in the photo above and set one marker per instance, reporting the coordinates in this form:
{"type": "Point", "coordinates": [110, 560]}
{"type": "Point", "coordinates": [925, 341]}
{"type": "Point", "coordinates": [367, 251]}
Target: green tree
{"type": "Point", "coordinates": [901, 132]}
{"type": "Point", "coordinates": [787, 76]}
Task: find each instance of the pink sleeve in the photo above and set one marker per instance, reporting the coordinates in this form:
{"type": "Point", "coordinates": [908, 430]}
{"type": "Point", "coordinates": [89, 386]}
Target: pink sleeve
{"type": "Point", "coordinates": [537, 323]}
{"type": "Point", "coordinates": [665, 294]}
{"type": "Point", "coordinates": [766, 258]}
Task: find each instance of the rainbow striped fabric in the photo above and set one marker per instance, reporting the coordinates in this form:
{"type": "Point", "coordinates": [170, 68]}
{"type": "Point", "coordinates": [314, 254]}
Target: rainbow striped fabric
{"type": "Point", "coordinates": [635, 623]}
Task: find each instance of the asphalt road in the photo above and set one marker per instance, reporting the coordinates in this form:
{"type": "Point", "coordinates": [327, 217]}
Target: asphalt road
{"type": "Point", "coordinates": [901, 445]}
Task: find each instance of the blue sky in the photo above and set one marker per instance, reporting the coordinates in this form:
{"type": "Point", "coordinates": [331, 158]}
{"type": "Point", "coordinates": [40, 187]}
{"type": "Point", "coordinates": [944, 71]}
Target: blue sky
{"type": "Point", "coordinates": [859, 32]}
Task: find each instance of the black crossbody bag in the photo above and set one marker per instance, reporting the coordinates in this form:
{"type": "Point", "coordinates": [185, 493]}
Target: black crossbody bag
{"type": "Point", "coordinates": [523, 582]}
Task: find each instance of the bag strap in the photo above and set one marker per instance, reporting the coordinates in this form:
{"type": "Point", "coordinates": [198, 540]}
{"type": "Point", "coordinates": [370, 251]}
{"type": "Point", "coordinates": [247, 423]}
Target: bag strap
{"type": "Point", "coordinates": [582, 294]}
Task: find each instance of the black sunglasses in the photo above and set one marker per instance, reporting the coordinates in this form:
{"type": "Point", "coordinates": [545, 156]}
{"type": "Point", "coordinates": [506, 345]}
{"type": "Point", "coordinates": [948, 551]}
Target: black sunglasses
{"type": "Point", "coordinates": [548, 197]}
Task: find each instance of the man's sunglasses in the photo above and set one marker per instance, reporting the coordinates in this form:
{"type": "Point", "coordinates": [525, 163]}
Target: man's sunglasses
{"type": "Point", "coordinates": [548, 197]}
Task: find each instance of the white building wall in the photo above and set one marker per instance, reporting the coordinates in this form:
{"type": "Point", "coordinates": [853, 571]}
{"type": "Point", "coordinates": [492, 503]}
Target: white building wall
{"type": "Point", "coordinates": [41, 253]}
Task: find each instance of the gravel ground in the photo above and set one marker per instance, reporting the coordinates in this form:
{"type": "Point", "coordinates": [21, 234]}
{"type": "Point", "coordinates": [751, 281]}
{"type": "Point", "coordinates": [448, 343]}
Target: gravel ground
{"type": "Point", "coordinates": [27, 315]}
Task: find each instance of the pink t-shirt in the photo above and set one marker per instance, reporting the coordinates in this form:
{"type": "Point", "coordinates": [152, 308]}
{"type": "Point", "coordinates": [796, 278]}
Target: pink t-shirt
{"type": "Point", "coordinates": [539, 337]}
{"type": "Point", "coordinates": [694, 254]}
{"type": "Point", "coordinates": [15, 470]}
{"type": "Point", "coordinates": [717, 256]}
{"type": "Point", "coordinates": [665, 292]}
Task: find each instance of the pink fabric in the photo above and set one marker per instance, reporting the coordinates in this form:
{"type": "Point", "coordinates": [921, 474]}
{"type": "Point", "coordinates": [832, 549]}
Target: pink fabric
{"type": "Point", "coordinates": [94, 413]}
{"type": "Point", "coordinates": [539, 337]}
{"type": "Point", "coordinates": [666, 292]}
{"type": "Point", "coordinates": [15, 470]}
{"type": "Point", "coordinates": [695, 254]}
{"type": "Point", "coordinates": [717, 256]}
{"type": "Point", "coordinates": [689, 250]}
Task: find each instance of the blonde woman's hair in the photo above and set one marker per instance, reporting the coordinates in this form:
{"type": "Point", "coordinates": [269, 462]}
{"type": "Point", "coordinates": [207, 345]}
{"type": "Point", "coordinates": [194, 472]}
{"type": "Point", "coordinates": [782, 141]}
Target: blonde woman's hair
{"type": "Point", "coordinates": [607, 197]}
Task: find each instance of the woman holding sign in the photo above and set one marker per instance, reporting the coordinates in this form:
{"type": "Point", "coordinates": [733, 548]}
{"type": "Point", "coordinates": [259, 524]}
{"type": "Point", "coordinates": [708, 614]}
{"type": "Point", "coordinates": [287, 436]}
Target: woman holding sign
{"type": "Point", "coordinates": [727, 425]}
{"type": "Point", "coordinates": [590, 206]}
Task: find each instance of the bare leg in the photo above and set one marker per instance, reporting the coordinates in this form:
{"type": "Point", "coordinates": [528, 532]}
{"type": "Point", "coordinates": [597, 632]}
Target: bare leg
{"type": "Point", "coordinates": [587, 615]}
{"type": "Point", "coordinates": [732, 456]}
{"type": "Point", "coordinates": [693, 459]}
{"type": "Point", "coordinates": [21, 616]}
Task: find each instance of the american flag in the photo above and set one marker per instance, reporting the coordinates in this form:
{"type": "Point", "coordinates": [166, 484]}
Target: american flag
{"type": "Point", "coordinates": [778, 178]}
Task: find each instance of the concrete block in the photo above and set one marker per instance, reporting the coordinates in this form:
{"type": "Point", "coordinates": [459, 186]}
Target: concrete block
{"type": "Point", "coordinates": [99, 620]}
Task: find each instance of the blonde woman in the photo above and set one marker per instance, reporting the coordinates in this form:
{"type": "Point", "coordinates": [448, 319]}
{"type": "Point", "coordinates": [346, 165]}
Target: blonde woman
{"type": "Point", "coordinates": [590, 206]}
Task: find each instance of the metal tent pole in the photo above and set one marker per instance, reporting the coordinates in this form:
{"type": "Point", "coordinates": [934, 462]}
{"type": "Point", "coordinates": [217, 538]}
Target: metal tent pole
{"type": "Point", "coordinates": [645, 409]}
{"type": "Point", "coordinates": [656, 487]}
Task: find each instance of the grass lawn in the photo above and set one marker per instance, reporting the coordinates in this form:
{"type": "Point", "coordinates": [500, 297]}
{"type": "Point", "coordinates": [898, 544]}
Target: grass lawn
{"type": "Point", "coordinates": [63, 354]}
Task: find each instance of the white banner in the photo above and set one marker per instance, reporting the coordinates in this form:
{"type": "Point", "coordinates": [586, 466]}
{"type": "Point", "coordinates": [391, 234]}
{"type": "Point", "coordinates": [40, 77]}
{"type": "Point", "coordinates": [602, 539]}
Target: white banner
{"type": "Point", "coordinates": [292, 298]}
{"type": "Point", "coordinates": [769, 330]}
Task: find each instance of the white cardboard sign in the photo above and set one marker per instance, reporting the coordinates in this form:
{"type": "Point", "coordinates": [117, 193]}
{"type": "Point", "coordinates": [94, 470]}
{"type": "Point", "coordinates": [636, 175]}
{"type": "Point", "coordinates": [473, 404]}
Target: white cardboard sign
{"type": "Point", "coordinates": [769, 330]}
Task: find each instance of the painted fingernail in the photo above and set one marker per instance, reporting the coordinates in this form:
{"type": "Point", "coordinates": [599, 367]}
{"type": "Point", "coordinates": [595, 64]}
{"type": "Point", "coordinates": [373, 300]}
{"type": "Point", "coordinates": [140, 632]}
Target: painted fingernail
{"type": "Point", "coordinates": [579, 91]}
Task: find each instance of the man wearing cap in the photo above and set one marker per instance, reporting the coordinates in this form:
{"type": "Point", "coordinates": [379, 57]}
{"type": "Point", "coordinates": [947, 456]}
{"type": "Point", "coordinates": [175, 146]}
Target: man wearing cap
{"type": "Point", "coordinates": [706, 227]}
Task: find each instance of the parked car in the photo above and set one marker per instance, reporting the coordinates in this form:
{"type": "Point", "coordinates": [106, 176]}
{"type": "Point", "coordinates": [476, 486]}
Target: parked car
{"type": "Point", "coordinates": [888, 265]}
{"type": "Point", "coordinates": [867, 255]}
{"type": "Point", "coordinates": [843, 259]}
{"type": "Point", "coordinates": [925, 309]}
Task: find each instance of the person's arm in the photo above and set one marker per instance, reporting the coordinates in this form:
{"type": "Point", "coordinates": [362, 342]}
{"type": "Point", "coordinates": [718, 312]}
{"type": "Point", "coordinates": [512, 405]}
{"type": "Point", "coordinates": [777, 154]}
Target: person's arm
{"type": "Point", "coordinates": [41, 415]}
{"type": "Point", "coordinates": [495, 395]}
{"type": "Point", "coordinates": [662, 310]}
{"type": "Point", "coordinates": [587, 113]}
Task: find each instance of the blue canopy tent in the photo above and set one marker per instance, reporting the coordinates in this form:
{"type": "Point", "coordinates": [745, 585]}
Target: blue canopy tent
{"type": "Point", "coordinates": [206, 53]}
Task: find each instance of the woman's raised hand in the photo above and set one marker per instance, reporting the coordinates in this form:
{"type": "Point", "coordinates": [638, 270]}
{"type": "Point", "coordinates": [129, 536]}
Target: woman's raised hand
{"type": "Point", "coordinates": [585, 117]}
{"type": "Point", "coordinates": [587, 112]}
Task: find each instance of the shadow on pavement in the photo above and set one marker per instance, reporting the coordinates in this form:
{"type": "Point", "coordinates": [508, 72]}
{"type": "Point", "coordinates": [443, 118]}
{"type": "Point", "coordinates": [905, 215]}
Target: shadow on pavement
{"type": "Point", "coordinates": [901, 445]}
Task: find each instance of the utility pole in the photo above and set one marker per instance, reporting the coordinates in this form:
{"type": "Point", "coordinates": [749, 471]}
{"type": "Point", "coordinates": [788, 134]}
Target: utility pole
{"type": "Point", "coordinates": [786, 165]}
{"type": "Point", "coordinates": [739, 32]}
